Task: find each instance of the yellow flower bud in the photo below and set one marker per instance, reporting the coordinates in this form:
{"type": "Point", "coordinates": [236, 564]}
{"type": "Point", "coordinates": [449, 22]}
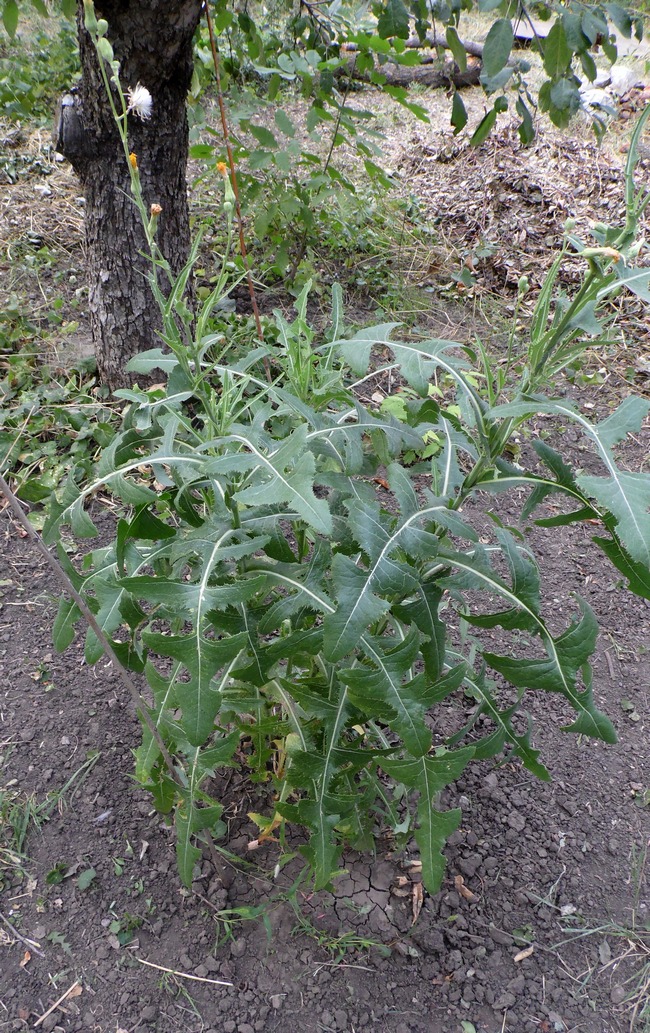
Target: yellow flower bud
{"type": "Point", "coordinates": [155, 210]}
{"type": "Point", "coordinates": [611, 252]}
{"type": "Point", "coordinates": [228, 192]}
{"type": "Point", "coordinates": [601, 252]}
{"type": "Point", "coordinates": [133, 160]}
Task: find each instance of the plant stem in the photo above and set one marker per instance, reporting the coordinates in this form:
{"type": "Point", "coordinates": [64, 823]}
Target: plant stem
{"type": "Point", "coordinates": [581, 298]}
{"type": "Point", "coordinates": [233, 175]}
{"type": "Point", "coordinates": [339, 115]}
{"type": "Point", "coordinates": [138, 700]}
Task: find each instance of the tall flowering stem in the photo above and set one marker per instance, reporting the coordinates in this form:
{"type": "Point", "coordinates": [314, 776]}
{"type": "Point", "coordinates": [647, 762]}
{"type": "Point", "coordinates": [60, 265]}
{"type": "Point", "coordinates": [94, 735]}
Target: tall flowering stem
{"type": "Point", "coordinates": [185, 332]}
{"type": "Point", "coordinates": [137, 101]}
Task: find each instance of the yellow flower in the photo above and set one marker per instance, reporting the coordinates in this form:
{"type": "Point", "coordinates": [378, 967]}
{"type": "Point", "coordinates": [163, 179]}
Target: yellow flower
{"type": "Point", "coordinates": [222, 168]}
{"type": "Point", "coordinates": [133, 160]}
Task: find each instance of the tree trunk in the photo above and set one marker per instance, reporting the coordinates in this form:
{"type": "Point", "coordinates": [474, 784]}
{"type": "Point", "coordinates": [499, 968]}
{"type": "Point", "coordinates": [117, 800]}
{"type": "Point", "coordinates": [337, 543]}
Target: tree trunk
{"type": "Point", "coordinates": [436, 40]}
{"type": "Point", "coordinates": [152, 40]}
{"type": "Point", "coordinates": [436, 76]}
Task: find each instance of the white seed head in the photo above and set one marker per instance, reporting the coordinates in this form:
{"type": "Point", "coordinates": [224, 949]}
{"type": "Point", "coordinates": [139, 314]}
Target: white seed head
{"type": "Point", "coordinates": [140, 101]}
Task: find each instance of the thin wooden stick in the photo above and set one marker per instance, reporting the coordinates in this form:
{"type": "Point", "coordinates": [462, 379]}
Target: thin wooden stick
{"type": "Point", "coordinates": [56, 1004]}
{"type": "Point", "coordinates": [30, 944]}
{"type": "Point", "coordinates": [183, 975]}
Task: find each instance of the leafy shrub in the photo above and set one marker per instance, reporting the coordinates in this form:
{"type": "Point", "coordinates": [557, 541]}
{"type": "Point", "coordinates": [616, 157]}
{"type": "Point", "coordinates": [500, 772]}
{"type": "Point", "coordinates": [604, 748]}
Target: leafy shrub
{"type": "Point", "coordinates": [293, 588]}
{"type": "Point", "coordinates": [293, 591]}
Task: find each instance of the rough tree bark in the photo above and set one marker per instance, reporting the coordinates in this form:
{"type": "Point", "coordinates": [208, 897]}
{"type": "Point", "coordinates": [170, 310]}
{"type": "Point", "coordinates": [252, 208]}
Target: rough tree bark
{"type": "Point", "coordinates": [152, 40]}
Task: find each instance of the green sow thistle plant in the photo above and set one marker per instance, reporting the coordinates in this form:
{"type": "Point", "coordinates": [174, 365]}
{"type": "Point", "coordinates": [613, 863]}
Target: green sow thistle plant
{"type": "Point", "coordinates": [292, 591]}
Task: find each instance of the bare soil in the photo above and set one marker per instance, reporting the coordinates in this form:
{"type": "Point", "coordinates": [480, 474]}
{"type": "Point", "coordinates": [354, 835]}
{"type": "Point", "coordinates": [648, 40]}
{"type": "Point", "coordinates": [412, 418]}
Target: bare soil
{"type": "Point", "coordinates": [538, 927]}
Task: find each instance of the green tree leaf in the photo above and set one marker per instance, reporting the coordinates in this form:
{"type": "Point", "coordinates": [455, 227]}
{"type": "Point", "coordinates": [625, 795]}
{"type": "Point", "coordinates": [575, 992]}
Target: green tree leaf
{"type": "Point", "coordinates": [621, 19]}
{"type": "Point", "coordinates": [10, 17]}
{"type": "Point", "coordinates": [565, 100]}
{"type": "Point", "coordinates": [525, 128]}
{"type": "Point", "coordinates": [458, 113]}
{"type": "Point", "coordinates": [484, 128]}
{"type": "Point", "coordinates": [284, 123]}
{"type": "Point", "coordinates": [393, 20]}
{"type": "Point", "coordinates": [264, 136]}
{"type": "Point", "coordinates": [556, 52]}
{"type": "Point", "coordinates": [497, 47]}
{"type": "Point", "coordinates": [457, 49]}
{"type": "Point", "coordinates": [594, 25]}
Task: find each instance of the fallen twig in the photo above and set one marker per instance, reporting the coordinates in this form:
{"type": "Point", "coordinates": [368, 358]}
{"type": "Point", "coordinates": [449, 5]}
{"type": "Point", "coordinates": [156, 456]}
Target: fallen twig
{"type": "Point", "coordinates": [23, 939]}
{"type": "Point", "coordinates": [53, 1007]}
{"type": "Point", "coordinates": [183, 975]}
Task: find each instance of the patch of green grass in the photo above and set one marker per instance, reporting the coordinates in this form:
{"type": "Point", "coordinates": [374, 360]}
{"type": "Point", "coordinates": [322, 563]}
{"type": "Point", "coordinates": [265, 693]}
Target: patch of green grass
{"type": "Point", "coordinates": [21, 813]}
{"type": "Point", "coordinates": [336, 946]}
{"type": "Point", "coordinates": [17, 814]}
{"type": "Point", "coordinates": [623, 953]}
{"type": "Point", "coordinates": [376, 246]}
